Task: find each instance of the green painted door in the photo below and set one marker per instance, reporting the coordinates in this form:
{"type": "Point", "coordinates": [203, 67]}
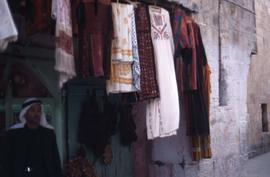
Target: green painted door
{"type": "Point", "coordinates": [121, 165]}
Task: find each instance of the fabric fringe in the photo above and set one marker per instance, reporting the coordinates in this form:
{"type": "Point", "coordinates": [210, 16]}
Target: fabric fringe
{"type": "Point", "coordinates": [201, 147]}
{"type": "Point", "coordinates": [4, 42]}
{"type": "Point", "coordinates": [64, 59]}
{"type": "Point", "coordinates": [64, 64]}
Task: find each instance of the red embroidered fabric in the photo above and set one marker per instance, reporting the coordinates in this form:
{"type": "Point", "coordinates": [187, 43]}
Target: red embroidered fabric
{"type": "Point", "coordinates": [64, 42]}
{"type": "Point", "coordinates": [149, 86]}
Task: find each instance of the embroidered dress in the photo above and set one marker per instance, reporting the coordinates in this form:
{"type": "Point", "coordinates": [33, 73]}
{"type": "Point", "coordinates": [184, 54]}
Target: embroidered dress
{"type": "Point", "coordinates": [64, 58]}
{"type": "Point", "coordinates": [163, 113]}
{"type": "Point", "coordinates": [123, 51]}
{"type": "Point", "coordinates": [8, 31]}
{"type": "Point", "coordinates": [149, 86]}
{"type": "Point", "coordinates": [193, 75]}
{"type": "Point", "coordinates": [94, 37]}
{"type": "Point", "coordinates": [199, 100]}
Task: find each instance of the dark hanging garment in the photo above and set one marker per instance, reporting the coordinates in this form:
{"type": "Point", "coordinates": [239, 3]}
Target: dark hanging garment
{"type": "Point", "coordinates": [199, 99]}
{"type": "Point", "coordinates": [94, 37]}
{"type": "Point", "coordinates": [182, 60]}
{"type": "Point", "coordinates": [37, 14]}
{"type": "Point", "coordinates": [42, 16]}
{"type": "Point", "coordinates": [193, 77]}
{"type": "Point", "coordinates": [96, 126]}
{"type": "Point", "coordinates": [149, 86]}
{"type": "Point", "coordinates": [127, 125]}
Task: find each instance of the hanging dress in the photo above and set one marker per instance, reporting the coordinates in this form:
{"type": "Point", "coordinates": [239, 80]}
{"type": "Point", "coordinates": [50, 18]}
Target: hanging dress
{"type": "Point", "coordinates": [193, 76]}
{"type": "Point", "coordinates": [163, 113]}
{"type": "Point", "coordinates": [182, 45]}
{"type": "Point", "coordinates": [149, 86]}
{"type": "Point", "coordinates": [125, 70]}
{"type": "Point", "coordinates": [199, 101]}
{"type": "Point", "coordinates": [94, 37]}
{"type": "Point", "coordinates": [8, 31]}
{"type": "Point", "coordinates": [64, 54]}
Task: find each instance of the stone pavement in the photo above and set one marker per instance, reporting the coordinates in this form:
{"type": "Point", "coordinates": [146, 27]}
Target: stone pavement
{"type": "Point", "coordinates": [257, 167]}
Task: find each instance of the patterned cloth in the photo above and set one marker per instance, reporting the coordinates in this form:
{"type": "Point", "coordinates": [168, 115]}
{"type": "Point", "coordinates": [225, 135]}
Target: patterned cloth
{"type": "Point", "coordinates": [179, 27]}
{"type": "Point", "coordinates": [201, 147]}
{"type": "Point", "coordinates": [8, 31]}
{"type": "Point", "coordinates": [182, 45]}
{"type": "Point", "coordinates": [123, 51]}
{"type": "Point", "coordinates": [94, 37]}
{"type": "Point", "coordinates": [64, 56]}
{"type": "Point", "coordinates": [197, 101]}
{"type": "Point", "coordinates": [149, 86]}
{"type": "Point", "coordinates": [193, 75]}
{"type": "Point", "coordinates": [163, 113]}
{"type": "Point", "coordinates": [136, 70]}
{"type": "Point", "coordinates": [122, 39]}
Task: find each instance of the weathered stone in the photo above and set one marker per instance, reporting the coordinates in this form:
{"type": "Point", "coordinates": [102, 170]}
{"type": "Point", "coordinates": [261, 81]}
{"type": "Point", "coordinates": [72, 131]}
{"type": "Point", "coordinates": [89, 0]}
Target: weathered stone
{"type": "Point", "coordinates": [258, 82]}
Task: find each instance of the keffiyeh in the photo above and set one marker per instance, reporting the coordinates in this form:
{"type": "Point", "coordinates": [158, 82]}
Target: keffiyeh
{"type": "Point", "coordinates": [26, 105]}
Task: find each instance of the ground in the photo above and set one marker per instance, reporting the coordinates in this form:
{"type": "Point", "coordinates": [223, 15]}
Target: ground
{"type": "Point", "coordinates": [257, 167]}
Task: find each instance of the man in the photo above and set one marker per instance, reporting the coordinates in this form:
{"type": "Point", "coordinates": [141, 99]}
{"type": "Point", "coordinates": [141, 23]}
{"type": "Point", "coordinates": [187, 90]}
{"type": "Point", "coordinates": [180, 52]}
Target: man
{"type": "Point", "coordinates": [31, 149]}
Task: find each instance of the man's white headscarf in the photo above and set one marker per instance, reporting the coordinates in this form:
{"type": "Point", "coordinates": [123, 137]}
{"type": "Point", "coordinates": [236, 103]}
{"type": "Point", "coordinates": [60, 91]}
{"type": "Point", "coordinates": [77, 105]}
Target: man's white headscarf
{"type": "Point", "coordinates": [26, 105]}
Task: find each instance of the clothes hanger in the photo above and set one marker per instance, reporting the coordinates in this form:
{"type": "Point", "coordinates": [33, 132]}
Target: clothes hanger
{"type": "Point", "coordinates": [134, 3]}
{"type": "Point", "coordinates": [188, 11]}
{"type": "Point", "coordinates": [155, 7]}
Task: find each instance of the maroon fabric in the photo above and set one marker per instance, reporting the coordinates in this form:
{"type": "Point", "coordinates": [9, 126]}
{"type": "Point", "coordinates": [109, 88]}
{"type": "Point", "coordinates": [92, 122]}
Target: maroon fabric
{"type": "Point", "coordinates": [94, 30]}
{"type": "Point", "coordinates": [192, 73]}
{"type": "Point", "coordinates": [149, 86]}
{"type": "Point", "coordinates": [36, 13]}
{"type": "Point", "coordinates": [182, 45]}
{"type": "Point", "coordinates": [179, 27]}
{"type": "Point", "coordinates": [42, 20]}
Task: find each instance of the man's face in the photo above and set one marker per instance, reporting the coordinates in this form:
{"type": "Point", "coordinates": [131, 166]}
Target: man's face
{"type": "Point", "coordinates": [33, 114]}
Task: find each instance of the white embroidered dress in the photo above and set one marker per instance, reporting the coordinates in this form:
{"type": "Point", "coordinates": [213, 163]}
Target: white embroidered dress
{"type": "Point", "coordinates": [163, 113]}
{"type": "Point", "coordinates": [64, 56]}
{"type": "Point", "coordinates": [8, 31]}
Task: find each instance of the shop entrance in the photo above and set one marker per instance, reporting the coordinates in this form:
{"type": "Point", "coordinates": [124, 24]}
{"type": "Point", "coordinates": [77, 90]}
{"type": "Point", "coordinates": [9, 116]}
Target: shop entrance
{"type": "Point", "coordinates": [77, 92]}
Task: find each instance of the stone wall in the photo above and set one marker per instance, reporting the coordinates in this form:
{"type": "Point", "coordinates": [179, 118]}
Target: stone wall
{"type": "Point", "coordinates": [229, 34]}
{"type": "Point", "coordinates": [259, 83]}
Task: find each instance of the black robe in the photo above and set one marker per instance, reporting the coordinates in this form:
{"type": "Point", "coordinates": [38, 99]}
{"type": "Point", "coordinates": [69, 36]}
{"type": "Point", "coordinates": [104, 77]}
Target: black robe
{"type": "Point", "coordinates": [31, 148]}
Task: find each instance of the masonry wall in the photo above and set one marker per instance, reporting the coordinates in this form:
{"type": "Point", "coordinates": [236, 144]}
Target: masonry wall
{"type": "Point", "coordinates": [259, 83]}
{"type": "Point", "coordinates": [229, 34]}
